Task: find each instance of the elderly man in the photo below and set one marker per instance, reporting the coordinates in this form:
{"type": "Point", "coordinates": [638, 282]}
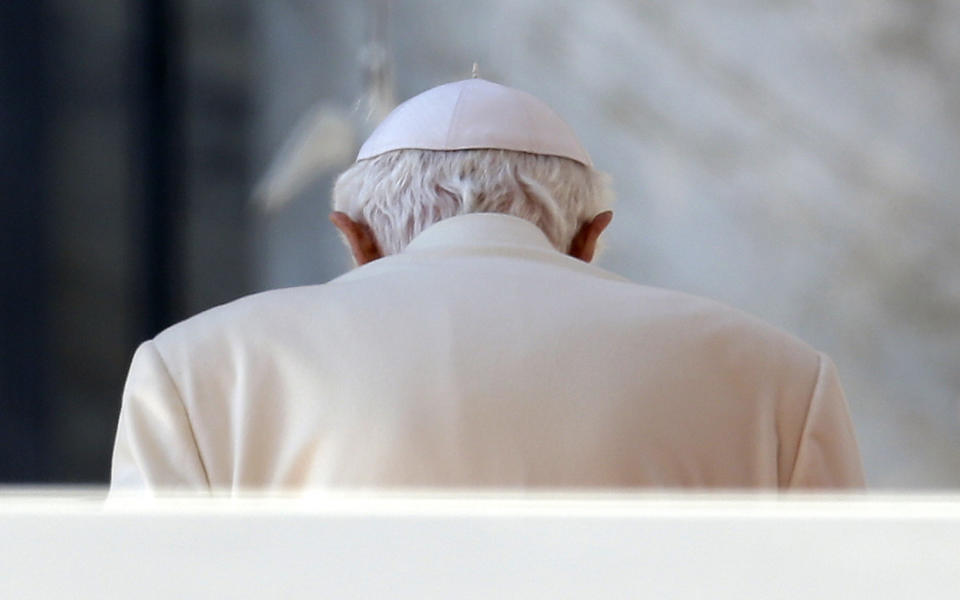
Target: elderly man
{"type": "Point", "coordinates": [475, 346]}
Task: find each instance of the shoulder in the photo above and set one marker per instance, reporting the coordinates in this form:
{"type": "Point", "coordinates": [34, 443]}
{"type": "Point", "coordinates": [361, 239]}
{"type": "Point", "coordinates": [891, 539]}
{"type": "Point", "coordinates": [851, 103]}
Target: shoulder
{"type": "Point", "coordinates": [257, 316]}
{"type": "Point", "coordinates": [729, 337]}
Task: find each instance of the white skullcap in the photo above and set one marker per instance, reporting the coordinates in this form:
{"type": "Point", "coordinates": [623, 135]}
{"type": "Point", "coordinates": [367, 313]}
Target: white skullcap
{"type": "Point", "coordinates": [475, 113]}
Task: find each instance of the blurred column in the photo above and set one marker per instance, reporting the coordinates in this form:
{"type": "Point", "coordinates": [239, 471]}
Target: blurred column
{"type": "Point", "coordinates": [23, 262]}
{"type": "Point", "coordinates": [217, 63]}
{"type": "Point", "coordinates": [159, 73]}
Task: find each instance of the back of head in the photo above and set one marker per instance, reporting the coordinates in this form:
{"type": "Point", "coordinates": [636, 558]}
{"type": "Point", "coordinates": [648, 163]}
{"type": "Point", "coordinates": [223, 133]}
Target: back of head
{"type": "Point", "coordinates": [471, 146]}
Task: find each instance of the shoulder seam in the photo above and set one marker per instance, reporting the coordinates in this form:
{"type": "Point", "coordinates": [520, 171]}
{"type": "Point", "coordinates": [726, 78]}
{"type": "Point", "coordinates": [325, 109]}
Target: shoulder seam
{"type": "Point", "coordinates": [818, 383]}
{"type": "Point", "coordinates": [186, 410]}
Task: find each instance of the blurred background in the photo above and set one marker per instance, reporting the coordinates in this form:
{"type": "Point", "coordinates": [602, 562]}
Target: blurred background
{"type": "Point", "coordinates": [798, 160]}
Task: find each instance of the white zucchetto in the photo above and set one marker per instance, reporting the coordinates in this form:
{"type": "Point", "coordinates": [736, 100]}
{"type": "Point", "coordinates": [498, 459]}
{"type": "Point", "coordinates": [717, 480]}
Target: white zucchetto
{"type": "Point", "coordinates": [473, 114]}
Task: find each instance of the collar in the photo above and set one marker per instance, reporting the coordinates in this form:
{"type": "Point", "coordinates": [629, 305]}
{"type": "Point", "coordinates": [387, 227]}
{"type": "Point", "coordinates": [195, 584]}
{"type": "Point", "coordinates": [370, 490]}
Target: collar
{"type": "Point", "coordinates": [480, 230]}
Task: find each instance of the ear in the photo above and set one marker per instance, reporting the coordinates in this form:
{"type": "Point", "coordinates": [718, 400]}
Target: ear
{"type": "Point", "coordinates": [584, 243]}
{"type": "Point", "coordinates": [359, 237]}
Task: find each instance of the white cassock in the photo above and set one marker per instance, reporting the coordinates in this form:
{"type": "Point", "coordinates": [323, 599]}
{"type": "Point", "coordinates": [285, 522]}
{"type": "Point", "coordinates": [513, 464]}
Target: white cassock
{"type": "Point", "coordinates": [481, 356]}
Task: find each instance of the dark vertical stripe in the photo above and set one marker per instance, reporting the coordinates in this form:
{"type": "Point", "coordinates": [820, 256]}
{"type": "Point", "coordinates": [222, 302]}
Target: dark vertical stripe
{"type": "Point", "coordinates": [23, 260]}
{"type": "Point", "coordinates": [159, 73]}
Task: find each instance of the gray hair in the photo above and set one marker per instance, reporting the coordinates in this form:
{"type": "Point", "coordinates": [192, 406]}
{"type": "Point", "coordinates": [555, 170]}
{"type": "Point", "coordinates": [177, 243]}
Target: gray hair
{"type": "Point", "coordinates": [400, 193]}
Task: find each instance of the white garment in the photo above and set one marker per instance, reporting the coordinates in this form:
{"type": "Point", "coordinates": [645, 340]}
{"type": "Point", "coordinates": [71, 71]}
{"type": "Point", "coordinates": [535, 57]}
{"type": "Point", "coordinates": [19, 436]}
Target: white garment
{"type": "Point", "coordinates": [481, 356]}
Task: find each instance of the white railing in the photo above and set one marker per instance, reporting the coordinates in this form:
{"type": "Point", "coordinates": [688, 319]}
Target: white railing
{"type": "Point", "coordinates": [480, 545]}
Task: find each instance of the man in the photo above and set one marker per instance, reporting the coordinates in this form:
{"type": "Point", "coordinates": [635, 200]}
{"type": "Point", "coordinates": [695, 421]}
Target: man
{"type": "Point", "coordinates": [475, 345]}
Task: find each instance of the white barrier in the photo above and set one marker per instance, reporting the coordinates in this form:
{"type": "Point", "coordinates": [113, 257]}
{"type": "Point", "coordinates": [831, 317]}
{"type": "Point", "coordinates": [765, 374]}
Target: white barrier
{"type": "Point", "coordinates": [480, 546]}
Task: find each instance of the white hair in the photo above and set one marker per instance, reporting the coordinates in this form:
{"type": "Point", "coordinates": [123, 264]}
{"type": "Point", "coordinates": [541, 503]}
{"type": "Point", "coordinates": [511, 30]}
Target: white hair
{"type": "Point", "coordinates": [400, 193]}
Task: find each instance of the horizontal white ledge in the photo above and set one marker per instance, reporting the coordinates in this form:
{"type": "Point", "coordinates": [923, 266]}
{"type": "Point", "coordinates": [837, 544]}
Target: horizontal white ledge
{"type": "Point", "coordinates": [556, 503]}
{"type": "Point", "coordinates": [56, 544]}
